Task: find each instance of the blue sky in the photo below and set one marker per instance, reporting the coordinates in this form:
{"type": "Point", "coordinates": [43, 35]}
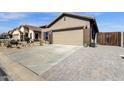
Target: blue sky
{"type": "Point", "coordinates": [107, 21]}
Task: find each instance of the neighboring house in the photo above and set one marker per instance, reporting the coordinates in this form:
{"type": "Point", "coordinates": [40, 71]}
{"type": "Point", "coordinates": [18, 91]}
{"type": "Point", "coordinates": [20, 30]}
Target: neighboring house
{"type": "Point", "coordinates": [16, 34]}
{"type": "Point", "coordinates": [69, 29]}
{"type": "Point", "coordinates": [4, 36]}
{"type": "Point", "coordinates": [26, 31]}
{"type": "Point", "coordinates": [10, 33]}
{"type": "Point", "coordinates": [33, 32]}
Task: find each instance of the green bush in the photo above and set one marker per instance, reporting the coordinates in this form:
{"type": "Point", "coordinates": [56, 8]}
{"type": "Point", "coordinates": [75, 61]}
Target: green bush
{"type": "Point", "coordinates": [27, 39]}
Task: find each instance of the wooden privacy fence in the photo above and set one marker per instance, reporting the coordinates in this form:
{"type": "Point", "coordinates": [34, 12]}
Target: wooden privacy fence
{"type": "Point", "coordinates": [110, 38]}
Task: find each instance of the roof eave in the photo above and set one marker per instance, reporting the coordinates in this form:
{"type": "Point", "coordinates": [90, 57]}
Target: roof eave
{"type": "Point", "coordinates": [68, 14]}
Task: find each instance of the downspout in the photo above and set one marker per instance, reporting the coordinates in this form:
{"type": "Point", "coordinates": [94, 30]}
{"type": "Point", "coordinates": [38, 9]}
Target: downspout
{"type": "Point", "coordinates": [90, 33]}
{"type": "Point", "coordinates": [41, 41]}
{"type": "Point", "coordinates": [51, 37]}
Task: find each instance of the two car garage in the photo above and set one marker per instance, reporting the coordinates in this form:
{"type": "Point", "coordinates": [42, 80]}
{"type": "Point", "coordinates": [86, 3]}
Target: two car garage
{"type": "Point", "coordinates": [70, 29]}
{"type": "Point", "coordinates": [68, 37]}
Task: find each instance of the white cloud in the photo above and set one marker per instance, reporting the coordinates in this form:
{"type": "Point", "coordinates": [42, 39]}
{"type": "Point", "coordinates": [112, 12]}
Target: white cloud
{"type": "Point", "coordinates": [11, 16]}
{"type": "Point", "coordinates": [43, 20]}
{"type": "Point", "coordinates": [34, 23]}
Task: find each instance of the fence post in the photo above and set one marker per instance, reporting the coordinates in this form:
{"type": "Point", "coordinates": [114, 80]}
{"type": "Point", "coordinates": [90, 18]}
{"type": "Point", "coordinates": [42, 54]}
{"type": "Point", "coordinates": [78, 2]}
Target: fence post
{"type": "Point", "coordinates": [122, 39]}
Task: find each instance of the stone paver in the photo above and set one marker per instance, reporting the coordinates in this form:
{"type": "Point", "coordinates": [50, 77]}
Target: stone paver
{"type": "Point", "coordinates": [100, 63]}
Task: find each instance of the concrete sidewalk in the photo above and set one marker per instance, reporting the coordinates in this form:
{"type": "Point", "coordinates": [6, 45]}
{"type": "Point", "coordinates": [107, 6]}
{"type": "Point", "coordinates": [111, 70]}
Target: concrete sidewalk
{"type": "Point", "coordinates": [41, 58]}
{"type": "Point", "coordinates": [16, 71]}
{"type": "Point", "coordinates": [30, 63]}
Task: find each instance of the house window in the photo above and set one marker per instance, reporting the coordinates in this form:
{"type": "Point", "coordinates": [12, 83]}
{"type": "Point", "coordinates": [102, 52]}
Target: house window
{"type": "Point", "coordinates": [46, 35]}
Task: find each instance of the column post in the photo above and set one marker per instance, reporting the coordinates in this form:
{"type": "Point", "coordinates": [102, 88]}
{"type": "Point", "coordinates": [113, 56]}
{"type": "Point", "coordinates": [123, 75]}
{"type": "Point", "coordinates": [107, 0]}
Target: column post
{"type": "Point", "coordinates": [51, 37]}
{"type": "Point", "coordinates": [41, 41]}
{"type": "Point", "coordinates": [122, 39]}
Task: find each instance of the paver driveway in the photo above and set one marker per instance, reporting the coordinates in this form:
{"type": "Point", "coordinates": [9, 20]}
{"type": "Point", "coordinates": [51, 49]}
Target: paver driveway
{"type": "Point", "coordinates": [100, 63]}
{"type": "Point", "coordinates": [41, 58]}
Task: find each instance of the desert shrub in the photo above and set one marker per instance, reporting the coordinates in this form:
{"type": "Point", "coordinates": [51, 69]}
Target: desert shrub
{"type": "Point", "coordinates": [13, 41]}
{"type": "Point", "coordinates": [8, 45]}
{"type": "Point", "coordinates": [27, 39]}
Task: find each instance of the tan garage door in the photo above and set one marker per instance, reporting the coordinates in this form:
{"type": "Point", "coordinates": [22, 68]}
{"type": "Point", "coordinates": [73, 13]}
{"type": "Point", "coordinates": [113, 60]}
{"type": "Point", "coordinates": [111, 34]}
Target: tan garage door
{"type": "Point", "coordinates": [68, 37]}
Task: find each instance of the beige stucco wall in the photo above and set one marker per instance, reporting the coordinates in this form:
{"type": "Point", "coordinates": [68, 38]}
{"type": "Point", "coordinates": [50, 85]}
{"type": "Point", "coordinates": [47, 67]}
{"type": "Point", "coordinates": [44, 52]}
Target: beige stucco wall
{"type": "Point", "coordinates": [70, 22]}
{"type": "Point", "coordinates": [31, 31]}
{"type": "Point", "coordinates": [16, 34]}
{"type": "Point", "coordinates": [22, 29]}
{"type": "Point", "coordinates": [72, 37]}
{"type": "Point", "coordinates": [33, 34]}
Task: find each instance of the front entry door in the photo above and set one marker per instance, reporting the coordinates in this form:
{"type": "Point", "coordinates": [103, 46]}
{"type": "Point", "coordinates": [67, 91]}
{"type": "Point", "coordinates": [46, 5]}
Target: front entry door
{"type": "Point", "coordinates": [36, 36]}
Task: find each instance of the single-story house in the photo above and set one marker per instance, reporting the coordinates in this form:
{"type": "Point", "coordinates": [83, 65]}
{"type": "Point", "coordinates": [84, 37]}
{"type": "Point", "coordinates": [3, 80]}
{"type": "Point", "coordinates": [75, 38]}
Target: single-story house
{"type": "Point", "coordinates": [16, 34]}
{"type": "Point", "coordinates": [71, 29]}
{"type": "Point", "coordinates": [24, 31]}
